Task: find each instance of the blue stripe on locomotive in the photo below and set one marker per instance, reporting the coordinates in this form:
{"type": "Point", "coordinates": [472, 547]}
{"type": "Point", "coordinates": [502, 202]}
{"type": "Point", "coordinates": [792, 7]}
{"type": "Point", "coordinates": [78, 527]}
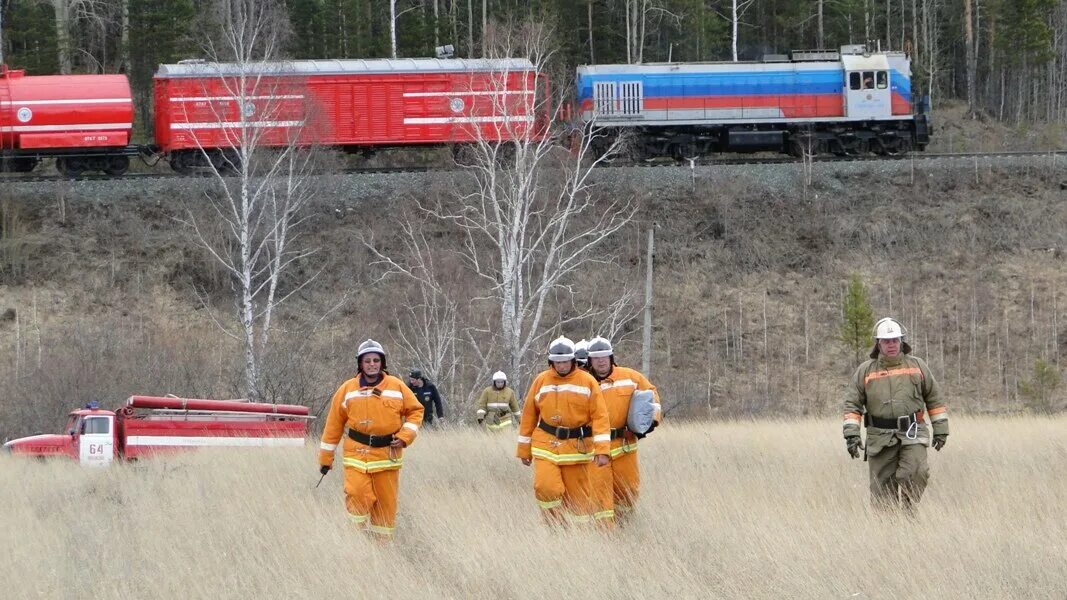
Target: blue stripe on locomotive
{"type": "Point", "coordinates": [767, 83]}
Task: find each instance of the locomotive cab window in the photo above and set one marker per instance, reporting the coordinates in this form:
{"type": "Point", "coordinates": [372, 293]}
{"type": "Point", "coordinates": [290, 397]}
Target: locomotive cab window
{"type": "Point", "coordinates": [883, 79]}
{"type": "Point", "coordinates": [868, 80]}
{"type": "Point", "coordinates": [854, 81]}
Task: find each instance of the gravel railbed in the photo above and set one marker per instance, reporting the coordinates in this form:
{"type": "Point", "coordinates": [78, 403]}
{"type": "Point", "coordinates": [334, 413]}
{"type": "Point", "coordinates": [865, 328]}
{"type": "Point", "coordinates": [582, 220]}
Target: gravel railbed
{"type": "Point", "coordinates": [355, 190]}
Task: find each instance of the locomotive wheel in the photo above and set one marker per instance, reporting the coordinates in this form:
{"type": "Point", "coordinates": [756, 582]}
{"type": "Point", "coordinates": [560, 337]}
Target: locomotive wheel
{"type": "Point", "coordinates": [897, 147]}
{"type": "Point", "coordinates": [181, 163]}
{"type": "Point", "coordinates": [850, 146]}
{"type": "Point", "coordinates": [117, 165]}
{"type": "Point", "coordinates": [70, 167]}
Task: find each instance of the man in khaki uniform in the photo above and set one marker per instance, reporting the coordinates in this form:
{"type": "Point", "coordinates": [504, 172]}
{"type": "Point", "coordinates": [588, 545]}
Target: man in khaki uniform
{"type": "Point", "coordinates": [890, 393]}
{"type": "Point", "coordinates": [497, 404]}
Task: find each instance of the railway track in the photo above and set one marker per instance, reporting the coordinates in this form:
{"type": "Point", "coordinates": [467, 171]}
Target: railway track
{"type": "Point", "coordinates": [701, 162]}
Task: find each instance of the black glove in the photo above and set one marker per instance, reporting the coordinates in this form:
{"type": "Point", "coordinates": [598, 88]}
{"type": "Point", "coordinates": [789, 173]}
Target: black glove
{"type": "Point", "coordinates": [853, 445]}
{"type": "Point", "coordinates": [324, 469]}
{"type": "Point", "coordinates": [940, 440]}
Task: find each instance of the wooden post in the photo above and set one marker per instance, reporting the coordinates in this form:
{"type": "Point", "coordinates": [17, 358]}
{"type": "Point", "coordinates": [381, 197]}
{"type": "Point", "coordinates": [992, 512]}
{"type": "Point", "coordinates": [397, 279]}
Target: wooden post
{"type": "Point", "coordinates": [646, 344]}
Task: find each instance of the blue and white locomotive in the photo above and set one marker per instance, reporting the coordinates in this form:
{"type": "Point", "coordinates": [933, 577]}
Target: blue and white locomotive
{"type": "Point", "coordinates": [847, 103]}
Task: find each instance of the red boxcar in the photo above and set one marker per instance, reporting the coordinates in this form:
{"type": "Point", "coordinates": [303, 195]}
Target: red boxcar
{"type": "Point", "coordinates": [205, 109]}
{"type": "Point", "coordinates": [84, 121]}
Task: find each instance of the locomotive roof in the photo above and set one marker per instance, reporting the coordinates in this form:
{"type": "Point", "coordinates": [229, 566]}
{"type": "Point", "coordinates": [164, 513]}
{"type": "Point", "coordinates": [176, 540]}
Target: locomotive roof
{"type": "Point", "coordinates": [343, 66]}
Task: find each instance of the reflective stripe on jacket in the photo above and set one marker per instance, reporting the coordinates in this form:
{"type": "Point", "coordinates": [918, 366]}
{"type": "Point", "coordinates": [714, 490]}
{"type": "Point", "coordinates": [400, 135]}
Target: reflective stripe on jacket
{"type": "Point", "coordinates": [891, 388]}
{"type": "Point", "coordinates": [383, 409]}
{"type": "Point", "coordinates": [618, 387]}
{"type": "Point", "coordinates": [496, 407]}
{"type": "Point", "coordinates": [573, 400]}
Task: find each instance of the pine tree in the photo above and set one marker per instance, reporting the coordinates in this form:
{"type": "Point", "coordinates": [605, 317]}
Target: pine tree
{"type": "Point", "coordinates": [858, 318]}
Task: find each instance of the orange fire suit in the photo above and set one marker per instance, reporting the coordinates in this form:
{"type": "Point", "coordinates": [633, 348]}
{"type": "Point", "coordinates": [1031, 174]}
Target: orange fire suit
{"type": "Point", "coordinates": [372, 474]}
{"type": "Point", "coordinates": [619, 483]}
{"type": "Point", "coordinates": [562, 467]}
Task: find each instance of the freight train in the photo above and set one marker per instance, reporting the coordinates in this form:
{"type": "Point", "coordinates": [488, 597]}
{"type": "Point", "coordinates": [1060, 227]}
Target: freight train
{"type": "Point", "coordinates": [845, 102]}
{"type": "Point", "coordinates": [204, 111]}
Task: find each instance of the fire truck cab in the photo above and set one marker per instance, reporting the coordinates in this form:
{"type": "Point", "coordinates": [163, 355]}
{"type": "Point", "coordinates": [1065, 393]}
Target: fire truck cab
{"type": "Point", "coordinates": [92, 435]}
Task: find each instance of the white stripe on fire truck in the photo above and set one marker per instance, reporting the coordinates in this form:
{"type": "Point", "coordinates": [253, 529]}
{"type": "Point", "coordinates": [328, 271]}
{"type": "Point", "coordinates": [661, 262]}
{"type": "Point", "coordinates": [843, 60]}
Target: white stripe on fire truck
{"type": "Point", "coordinates": [65, 128]}
{"type": "Point", "coordinates": [480, 93]}
{"type": "Point", "coordinates": [68, 101]}
{"type": "Point", "coordinates": [168, 440]}
{"type": "Point", "coordinates": [234, 98]}
{"type": "Point", "coordinates": [225, 124]}
{"type": "Point", "coordinates": [450, 120]}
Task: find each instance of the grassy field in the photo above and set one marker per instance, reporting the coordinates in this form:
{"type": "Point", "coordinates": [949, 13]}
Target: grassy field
{"type": "Point", "coordinates": [730, 510]}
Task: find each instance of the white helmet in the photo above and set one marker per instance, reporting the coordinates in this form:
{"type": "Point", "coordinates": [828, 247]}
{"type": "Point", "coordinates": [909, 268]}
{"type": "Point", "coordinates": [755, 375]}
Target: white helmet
{"type": "Point", "coordinates": [370, 346]}
{"type": "Point", "coordinates": [581, 350]}
{"type": "Point", "coordinates": [500, 376]}
{"type": "Point", "coordinates": [561, 348]}
{"type": "Point", "coordinates": [600, 347]}
{"type": "Point", "coordinates": [888, 329]}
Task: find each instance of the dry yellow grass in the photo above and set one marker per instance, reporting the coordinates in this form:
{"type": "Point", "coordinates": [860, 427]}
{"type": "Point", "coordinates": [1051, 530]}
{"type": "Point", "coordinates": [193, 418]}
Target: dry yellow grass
{"type": "Point", "coordinates": [730, 510]}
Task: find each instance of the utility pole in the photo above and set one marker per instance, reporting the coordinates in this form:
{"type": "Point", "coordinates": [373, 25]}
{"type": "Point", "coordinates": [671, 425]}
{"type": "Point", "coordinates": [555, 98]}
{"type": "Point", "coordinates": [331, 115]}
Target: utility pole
{"type": "Point", "coordinates": [646, 345]}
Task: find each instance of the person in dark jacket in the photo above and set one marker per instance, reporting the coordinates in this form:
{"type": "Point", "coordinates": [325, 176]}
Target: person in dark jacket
{"type": "Point", "coordinates": [427, 394]}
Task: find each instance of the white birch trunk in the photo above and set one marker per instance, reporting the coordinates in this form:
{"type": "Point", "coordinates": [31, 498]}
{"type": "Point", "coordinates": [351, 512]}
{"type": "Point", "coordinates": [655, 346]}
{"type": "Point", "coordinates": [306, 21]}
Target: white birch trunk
{"type": "Point", "coordinates": [125, 41]}
{"type": "Point", "coordinates": [62, 16]}
{"type": "Point", "coordinates": [392, 27]}
{"type": "Point", "coordinates": [733, 30]}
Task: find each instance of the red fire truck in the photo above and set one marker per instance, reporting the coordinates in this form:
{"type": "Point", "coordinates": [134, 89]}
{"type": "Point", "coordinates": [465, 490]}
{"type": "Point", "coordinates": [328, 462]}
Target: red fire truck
{"type": "Point", "coordinates": [149, 425]}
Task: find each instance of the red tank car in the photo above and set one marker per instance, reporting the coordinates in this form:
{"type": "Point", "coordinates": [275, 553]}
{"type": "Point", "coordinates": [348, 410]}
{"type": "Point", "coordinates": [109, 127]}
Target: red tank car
{"type": "Point", "coordinates": [83, 121]}
{"type": "Point", "coordinates": [204, 111]}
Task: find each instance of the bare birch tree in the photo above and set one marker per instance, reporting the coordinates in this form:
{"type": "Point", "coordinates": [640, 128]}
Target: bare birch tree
{"type": "Point", "coordinates": [531, 225]}
{"type": "Point", "coordinates": [259, 209]}
{"type": "Point", "coordinates": [637, 14]}
{"type": "Point", "coordinates": [428, 318]}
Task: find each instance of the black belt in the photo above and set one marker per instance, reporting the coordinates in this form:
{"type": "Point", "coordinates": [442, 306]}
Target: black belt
{"type": "Point", "coordinates": [618, 433]}
{"type": "Point", "coordinates": [374, 441]}
{"type": "Point", "coordinates": [566, 433]}
{"type": "Point", "coordinates": [898, 423]}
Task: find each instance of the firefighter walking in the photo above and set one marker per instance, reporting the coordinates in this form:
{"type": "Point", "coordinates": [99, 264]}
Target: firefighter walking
{"type": "Point", "coordinates": [890, 394]}
{"type": "Point", "coordinates": [619, 483]}
{"type": "Point", "coordinates": [378, 416]}
{"type": "Point", "coordinates": [497, 404]}
{"type": "Point", "coordinates": [564, 434]}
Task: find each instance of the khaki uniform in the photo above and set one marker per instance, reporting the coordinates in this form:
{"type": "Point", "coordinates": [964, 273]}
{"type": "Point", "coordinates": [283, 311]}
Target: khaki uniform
{"type": "Point", "coordinates": [892, 389]}
{"type": "Point", "coordinates": [496, 408]}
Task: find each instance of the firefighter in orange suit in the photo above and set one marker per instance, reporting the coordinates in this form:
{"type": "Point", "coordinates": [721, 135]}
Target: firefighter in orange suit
{"type": "Point", "coordinates": [619, 483]}
{"type": "Point", "coordinates": [564, 434]}
{"type": "Point", "coordinates": [378, 416]}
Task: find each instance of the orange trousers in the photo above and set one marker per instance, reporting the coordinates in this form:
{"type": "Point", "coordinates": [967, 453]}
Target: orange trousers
{"type": "Point", "coordinates": [370, 499]}
{"type": "Point", "coordinates": [565, 493]}
{"type": "Point", "coordinates": [618, 485]}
